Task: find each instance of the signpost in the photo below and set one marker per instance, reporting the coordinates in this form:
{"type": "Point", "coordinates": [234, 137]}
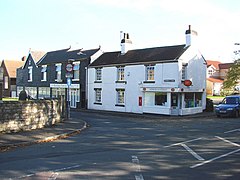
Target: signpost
{"type": "Point", "coordinates": [69, 76]}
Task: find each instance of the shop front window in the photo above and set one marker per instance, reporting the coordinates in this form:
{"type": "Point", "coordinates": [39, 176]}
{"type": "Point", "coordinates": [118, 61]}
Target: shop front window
{"type": "Point", "coordinates": [198, 99]}
{"type": "Point", "coordinates": [160, 99]}
{"type": "Point", "coordinates": [189, 100]}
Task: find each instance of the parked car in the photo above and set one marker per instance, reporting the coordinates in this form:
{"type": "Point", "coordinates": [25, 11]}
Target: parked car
{"type": "Point", "coordinates": [230, 106]}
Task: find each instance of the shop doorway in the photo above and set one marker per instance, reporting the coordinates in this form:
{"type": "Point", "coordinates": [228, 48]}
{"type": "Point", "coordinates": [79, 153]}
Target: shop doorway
{"type": "Point", "coordinates": [174, 104]}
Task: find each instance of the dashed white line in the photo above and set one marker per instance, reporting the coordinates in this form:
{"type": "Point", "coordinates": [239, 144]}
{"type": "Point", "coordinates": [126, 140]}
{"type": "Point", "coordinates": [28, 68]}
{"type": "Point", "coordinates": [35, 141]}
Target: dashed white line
{"type": "Point", "coordinates": [138, 175]}
{"type": "Point", "coordinates": [213, 159]}
{"type": "Point", "coordinates": [192, 152]}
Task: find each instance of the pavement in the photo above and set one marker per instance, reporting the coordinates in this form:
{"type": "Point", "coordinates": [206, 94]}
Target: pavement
{"type": "Point", "coordinates": [10, 141]}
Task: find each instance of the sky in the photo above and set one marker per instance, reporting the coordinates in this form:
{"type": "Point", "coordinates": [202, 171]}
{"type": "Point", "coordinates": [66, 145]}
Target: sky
{"type": "Point", "coordinates": [48, 25]}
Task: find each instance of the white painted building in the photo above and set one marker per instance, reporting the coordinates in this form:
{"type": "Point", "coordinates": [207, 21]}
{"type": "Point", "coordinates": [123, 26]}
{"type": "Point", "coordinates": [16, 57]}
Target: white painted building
{"type": "Point", "coordinates": [168, 80]}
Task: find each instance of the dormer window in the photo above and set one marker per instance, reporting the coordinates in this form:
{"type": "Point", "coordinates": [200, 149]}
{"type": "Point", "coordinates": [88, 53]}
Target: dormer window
{"type": "Point", "coordinates": [58, 72]}
{"type": "Point", "coordinates": [29, 74]}
{"type": "Point", "coordinates": [44, 73]}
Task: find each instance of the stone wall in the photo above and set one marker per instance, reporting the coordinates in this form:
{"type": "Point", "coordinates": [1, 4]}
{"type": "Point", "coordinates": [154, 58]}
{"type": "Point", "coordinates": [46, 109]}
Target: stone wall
{"type": "Point", "coordinates": [27, 115]}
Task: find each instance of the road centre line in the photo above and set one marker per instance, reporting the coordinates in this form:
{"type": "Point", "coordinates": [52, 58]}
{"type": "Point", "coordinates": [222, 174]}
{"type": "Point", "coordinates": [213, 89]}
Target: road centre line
{"type": "Point", "coordinates": [180, 143]}
{"type": "Point", "coordinates": [213, 159]}
{"type": "Point", "coordinates": [137, 167]}
{"type": "Point", "coordinates": [232, 131]}
{"type": "Point", "coordinates": [192, 152]}
{"type": "Point", "coordinates": [225, 140]}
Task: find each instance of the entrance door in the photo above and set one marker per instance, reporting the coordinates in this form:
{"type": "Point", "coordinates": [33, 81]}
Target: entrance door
{"type": "Point", "coordinates": [73, 98]}
{"type": "Point", "coordinates": [174, 104]}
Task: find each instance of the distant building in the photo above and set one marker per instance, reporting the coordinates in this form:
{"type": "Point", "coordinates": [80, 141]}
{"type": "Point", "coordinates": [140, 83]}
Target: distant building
{"type": "Point", "coordinates": [216, 74]}
{"type": "Point", "coordinates": [168, 80]}
{"type": "Point", "coordinates": [46, 77]}
{"type": "Point", "coordinates": [9, 67]}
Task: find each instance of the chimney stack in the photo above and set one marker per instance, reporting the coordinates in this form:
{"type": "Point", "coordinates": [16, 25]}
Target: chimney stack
{"type": "Point", "coordinates": [126, 43]}
{"type": "Point", "coordinates": [191, 36]}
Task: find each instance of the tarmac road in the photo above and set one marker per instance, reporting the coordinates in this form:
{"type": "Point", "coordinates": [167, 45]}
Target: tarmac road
{"type": "Point", "coordinates": [121, 147]}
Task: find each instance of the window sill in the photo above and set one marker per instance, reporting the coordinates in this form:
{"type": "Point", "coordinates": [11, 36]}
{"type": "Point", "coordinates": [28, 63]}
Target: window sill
{"type": "Point", "coordinates": [97, 103]}
{"type": "Point", "coordinates": [148, 81]}
{"type": "Point", "coordinates": [120, 105]}
{"type": "Point", "coordinates": [75, 79]}
{"type": "Point", "coordinates": [125, 82]}
{"type": "Point", "coordinates": [97, 81]}
{"type": "Point", "coordinates": [43, 80]}
{"type": "Point", "coordinates": [58, 80]}
{"type": "Point", "coordinates": [29, 80]}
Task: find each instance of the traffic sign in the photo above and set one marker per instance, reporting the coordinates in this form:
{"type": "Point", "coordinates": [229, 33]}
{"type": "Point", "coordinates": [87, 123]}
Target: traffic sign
{"type": "Point", "coordinates": [69, 81]}
{"type": "Point", "coordinates": [69, 67]}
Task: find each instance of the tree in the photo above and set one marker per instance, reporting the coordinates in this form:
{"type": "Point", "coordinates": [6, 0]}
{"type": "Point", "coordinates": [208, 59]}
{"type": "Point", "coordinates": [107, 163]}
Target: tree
{"type": "Point", "coordinates": [233, 76]}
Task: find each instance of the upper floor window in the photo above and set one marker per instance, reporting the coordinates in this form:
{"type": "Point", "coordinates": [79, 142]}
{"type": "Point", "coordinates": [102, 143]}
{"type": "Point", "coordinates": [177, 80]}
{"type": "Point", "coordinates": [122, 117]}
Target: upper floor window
{"type": "Point", "coordinates": [120, 74]}
{"type": "Point", "coordinates": [210, 72]}
{"type": "Point", "coordinates": [184, 71]}
{"type": "Point", "coordinates": [150, 73]}
{"type": "Point", "coordinates": [76, 71]}
{"type": "Point", "coordinates": [29, 74]}
{"type": "Point", "coordinates": [58, 72]}
{"type": "Point", "coordinates": [6, 82]}
{"type": "Point", "coordinates": [98, 74]}
{"type": "Point", "coordinates": [44, 73]}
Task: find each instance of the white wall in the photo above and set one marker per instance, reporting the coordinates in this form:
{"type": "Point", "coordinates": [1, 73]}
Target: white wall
{"type": "Point", "coordinates": [167, 75]}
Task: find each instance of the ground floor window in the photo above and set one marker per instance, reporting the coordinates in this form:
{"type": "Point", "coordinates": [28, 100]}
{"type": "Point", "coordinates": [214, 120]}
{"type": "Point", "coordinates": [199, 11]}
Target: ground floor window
{"type": "Point", "coordinates": [120, 96]}
{"type": "Point", "coordinates": [193, 99]}
{"type": "Point", "coordinates": [155, 99]}
{"type": "Point", "coordinates": [43, 92]}
{"type": "Point", "coordinates": [98, 95]}
{"type": "Point", "coordinates": [32, 92]}
{"type": "Point", "coordinates": [198, 99]}
{"type": "Point", "coordinates": [160, 98]}
{"type": "Point", "coordinates": [56, 92]}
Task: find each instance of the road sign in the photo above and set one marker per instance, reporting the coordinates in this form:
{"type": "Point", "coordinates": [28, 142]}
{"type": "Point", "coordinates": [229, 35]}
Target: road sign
{"type": "Point", "coordinates": [69, 81]}
{"type": "Point", "coordinates": [69, 75]}
{"type": "Point", "coordinates": [69, 67]}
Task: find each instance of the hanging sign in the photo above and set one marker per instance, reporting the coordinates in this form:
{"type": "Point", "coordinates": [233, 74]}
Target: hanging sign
{"type": "Point", "coordinates": [187, 82]}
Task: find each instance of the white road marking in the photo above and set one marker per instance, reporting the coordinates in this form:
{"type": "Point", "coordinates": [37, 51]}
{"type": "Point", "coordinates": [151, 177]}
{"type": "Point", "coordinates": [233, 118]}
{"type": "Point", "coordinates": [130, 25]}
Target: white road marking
{"type": "Point", "coordinates": [53, 176]}
{"type": "Point", "coordinates": [213, 159]}
{"type": "Point", "coordinates": [192, 152]}
{"type": "Point", "coordinates": [66, 168]}
{"type": "Point", "coordinates": [177, 144]}
{"type": "Point", "coordinates": [225, 140]}
{"type": "Point", "coordinates": [232, 131]}
{"type": "Point", "coordinates": [137, 167]}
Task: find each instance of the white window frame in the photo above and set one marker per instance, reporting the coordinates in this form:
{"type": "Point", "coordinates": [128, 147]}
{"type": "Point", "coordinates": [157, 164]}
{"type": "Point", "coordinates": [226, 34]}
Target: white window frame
{"type": "Point", "coordinates": [120, 96]}
{"type": "Point", "coordinates": [44, 73]}
{"type": "Point", "coordinates": [58, 72]}
{"type": "Point", "coordinates": [30, 74]}
{"type": "Point", "coordinates": [98, 95]}
{"type": "Point", "coordinates": [150, 73]}
{"type": "Point", "coordinates": [98, 74]}
{"type": "Point", "coordinates": [76, 71]}
{"type": "Point", "coordinates": [184, 71]}
{"type": "Point", "coordinates": [6, 82]}
{"type": "Point", "coordinates": [120, 73]}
